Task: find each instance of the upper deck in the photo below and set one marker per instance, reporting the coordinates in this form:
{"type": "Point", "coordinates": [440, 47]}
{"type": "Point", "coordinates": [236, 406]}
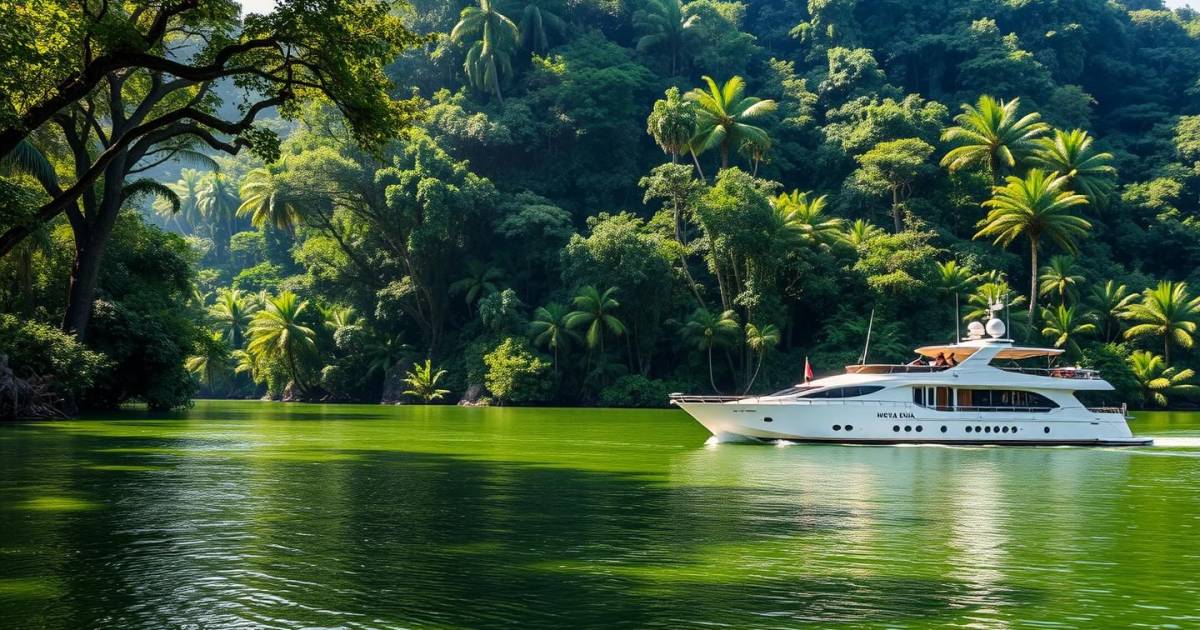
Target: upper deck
{"type": "Point", "coordinates": [1055, 372]}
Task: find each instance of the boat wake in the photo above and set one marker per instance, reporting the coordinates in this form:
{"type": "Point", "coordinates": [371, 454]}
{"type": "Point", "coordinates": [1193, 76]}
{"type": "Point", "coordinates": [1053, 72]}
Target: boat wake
{"type": "Point", "coordinates": [1176, 442]}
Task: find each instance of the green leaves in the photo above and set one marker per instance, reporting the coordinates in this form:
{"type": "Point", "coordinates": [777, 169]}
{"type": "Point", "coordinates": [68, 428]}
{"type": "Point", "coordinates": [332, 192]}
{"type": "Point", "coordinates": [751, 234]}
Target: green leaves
{"type": "Point", "coordinates": [1037, 205]}
{"type": "Point", "coordinates": [422, 381]}
{"type": "Point", "coordinates": [990, 134]}
{"type": "Point", "coordinates": [722, 115]}
{"type": "Point", "coordinates": [594, 312]}
{"type": "Point", "coordinates": [1087, 170]}
{"type": "Point", "coordinates": [1167, 311]}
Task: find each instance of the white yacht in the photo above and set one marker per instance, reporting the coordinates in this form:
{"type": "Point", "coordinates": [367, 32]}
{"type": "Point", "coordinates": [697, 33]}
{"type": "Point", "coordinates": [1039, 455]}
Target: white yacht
{"type": "Point", "coordinates": [978, 396]}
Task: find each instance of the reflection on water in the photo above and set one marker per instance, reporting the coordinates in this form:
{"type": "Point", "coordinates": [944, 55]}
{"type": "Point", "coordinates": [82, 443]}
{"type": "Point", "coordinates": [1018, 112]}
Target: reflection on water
{"type": "Point", "coordinates": [253, 515]}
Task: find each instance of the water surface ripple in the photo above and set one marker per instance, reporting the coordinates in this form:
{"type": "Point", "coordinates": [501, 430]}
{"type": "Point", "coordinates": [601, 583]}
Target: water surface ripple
{"type": "Point", "coordinates": [260, 515]}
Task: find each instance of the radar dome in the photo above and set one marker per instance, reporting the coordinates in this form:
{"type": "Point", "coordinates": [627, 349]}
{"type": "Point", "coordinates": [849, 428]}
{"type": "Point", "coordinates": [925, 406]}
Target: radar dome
{"type": "Point", "coordinates": [995, 328]}
{"type": "Point", "coordinates": [975, 330]}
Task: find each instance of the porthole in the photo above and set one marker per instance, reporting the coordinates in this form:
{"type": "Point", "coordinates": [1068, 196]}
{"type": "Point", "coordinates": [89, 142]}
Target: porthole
{"type": "Point", "coordinates": [920, 428]}
{"type": "Point", "coordinates": [837, 427]}
{"type": "Point", "coordinates": [849, 427]}
{"type": "Point", "coordinates": [1046, 430]}
{"type": "Point", "coordinates": [970, 429]}
{"type": "Point", "coordinates": [908, 428]}
{"type": "Point", "coordinates": [943, 428]}
{"type": "Point", "coordinates": [1004, 429]}
{"type": "Point", "coordinates": [987, 429]}
{"type": "Point", "coordinates": [768, 419]}
{"type": "Point", "coordinates": [1014, 429]}
{"type": "Point", "coordinates": [896, 428]}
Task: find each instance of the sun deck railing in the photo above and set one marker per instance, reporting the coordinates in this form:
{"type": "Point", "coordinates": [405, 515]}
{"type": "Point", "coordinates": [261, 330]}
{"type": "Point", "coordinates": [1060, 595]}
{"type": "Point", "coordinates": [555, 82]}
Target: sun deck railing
{"type": "Point", "coordinates": [1078, 373]}
{"type": "Point", "coordinates": [886, 368]}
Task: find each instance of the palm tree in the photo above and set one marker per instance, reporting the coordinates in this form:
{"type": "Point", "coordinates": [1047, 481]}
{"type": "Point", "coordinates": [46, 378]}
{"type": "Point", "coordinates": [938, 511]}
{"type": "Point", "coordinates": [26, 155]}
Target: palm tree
{"type": "Point", "coordinates": [423, 380]}
{"type": "Point", "coordinates": [662, 24]}
{"type": "Point", "coordinates": [210, 365]}
{"type": "Point", "coordinates": [25, 158]}
{"type": "Point", "coordinates": [1167, 311]}
{"type": "Point", "coordinates": [245, 363]}
{"type": "Point", "coordinates": [336, 317]}
{"type": "Point", "coordinates": [233, 312]}
{"type": "Point", "coordinates": [595, 312]}
{"type": "Point", "coordinates": [672, 123]}
{"type": "Point", "coordinates": [706, 331]}
{"type": "Point", "coordinates": [991, 134]}
{"type": "Point", "coordinates": [263, 201]}
{"type": "Point", "coordinates": [1087, 170]}
{"type": "Point", "coordinates": [480, 282]}
{"type": "Point", "coordinates": [995, 290]}
{"type": "Point", "coordinates": [1037, 207]}
{"type": "Point", "coordinates": [760, 340]}
{"type": "Point", "coordinates": [549, 329]}
{"type": "Point", "coordinates": [952, 280]}
{"type": "Point", "coordinates": [1158, 381]}
{"type": "Point", "coordinates": [276, 335]}
{"type": "Point", "coordinates": [1060, 278]}
{"type": "Point", "coordinates": [491, 55]}
{"type": "Point", "coordinates": [1065, 325]}
{"type": "Point", "coordinates": [1109, 303]}
{"type": "Point", "coordinates": [217, 202]}
{"type": "Point", "coordinates": [184, 212]}
{"type": "Point", "coordinates": [859, 232]}
{"type": "Point", "coordinates": [722, 115]}
{"type": "Point", "coordinates": [383, 351]}
{"type": "Point", "coordinates": [538, 22]}
{"type": "Point", "coordinates": [802, 219]}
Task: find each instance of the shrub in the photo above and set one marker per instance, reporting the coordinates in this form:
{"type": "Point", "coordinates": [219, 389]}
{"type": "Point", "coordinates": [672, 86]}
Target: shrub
{"type": "Point", "coordinates": [37, 349]}
{"type": "Point", "coordinates": [1111, 360]}
{"type": "Point", "coordinates": [515, 374]}
{"type": "Point", "coordinates": [635, 390]}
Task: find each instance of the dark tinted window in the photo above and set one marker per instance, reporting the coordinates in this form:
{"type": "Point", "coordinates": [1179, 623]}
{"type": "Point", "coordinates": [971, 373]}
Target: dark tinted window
{"type": "Point", "coordinates": [999, 399]}
{"type": "Point", "coordinates": [791, 391]}
{"type": "Point", "coordinates": [846, 392]}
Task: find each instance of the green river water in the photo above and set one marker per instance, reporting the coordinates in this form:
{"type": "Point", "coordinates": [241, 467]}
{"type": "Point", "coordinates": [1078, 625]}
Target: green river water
{"type": "Point", "coordinates": [253, 514]}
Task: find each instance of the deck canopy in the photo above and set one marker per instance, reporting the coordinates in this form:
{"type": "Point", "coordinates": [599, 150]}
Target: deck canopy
{"type": "Point", "coordinates": [1013, 353]}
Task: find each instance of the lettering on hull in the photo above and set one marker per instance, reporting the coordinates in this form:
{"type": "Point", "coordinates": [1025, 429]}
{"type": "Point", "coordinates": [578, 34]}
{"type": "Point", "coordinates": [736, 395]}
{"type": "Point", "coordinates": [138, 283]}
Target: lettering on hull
{"type": "Point", "coordinates": [900, 415]}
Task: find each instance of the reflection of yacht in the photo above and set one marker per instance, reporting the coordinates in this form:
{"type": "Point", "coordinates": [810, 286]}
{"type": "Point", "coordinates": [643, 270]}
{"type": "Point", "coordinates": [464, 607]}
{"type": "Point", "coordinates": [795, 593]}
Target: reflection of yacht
{"type": "Point", "coordinates": [979, 400]}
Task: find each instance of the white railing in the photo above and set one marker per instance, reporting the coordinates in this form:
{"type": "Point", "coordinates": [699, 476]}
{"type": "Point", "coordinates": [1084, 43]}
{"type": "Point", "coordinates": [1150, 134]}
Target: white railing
{"type": "Point", "coordinates": [1123, 410]}
{"type": "Point", "coordinates": [1077, 373]}
{"type": "Point", "coordinates": [887, 368]}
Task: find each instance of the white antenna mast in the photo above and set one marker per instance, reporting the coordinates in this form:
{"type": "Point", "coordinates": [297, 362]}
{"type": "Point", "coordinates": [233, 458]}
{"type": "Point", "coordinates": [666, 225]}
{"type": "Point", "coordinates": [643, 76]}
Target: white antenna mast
{"type": "Point", "coordinates": [870, 323]}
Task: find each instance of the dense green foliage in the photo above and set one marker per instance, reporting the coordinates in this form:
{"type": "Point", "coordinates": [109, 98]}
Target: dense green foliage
{"type": "Point", "coordinates": [605, 201]}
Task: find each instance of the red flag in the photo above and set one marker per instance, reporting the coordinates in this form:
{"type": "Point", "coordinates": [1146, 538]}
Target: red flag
{"type": "Point", "coordinates": [808, 373]}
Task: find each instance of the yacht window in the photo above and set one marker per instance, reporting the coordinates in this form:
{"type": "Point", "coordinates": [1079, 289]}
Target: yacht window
{"type": "Point", "coordinates": [846, 392]}
{"type": "Point", "coordinates": [1001, 399]}
{"type": "Point", "coordinates": [792, 391]}
{"type": "Point", "coordinates": [919, 396]}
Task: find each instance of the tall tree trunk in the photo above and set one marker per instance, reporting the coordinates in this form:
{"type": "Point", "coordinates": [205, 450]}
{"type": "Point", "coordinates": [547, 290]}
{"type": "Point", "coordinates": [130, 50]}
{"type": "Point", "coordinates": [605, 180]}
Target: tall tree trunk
{"type": "Point", "coordinates": [755, 377]}
{"type": "Point", "coordinates": [711, 381]}
{"type": "Point", "coordinates": [699, 170]}
{"type": "Point", "coordinates": [91, 239]}
{"type": "Point", "coordinates": [1033, 280]}
{"type": "Point", "coordinates": [85, 271]}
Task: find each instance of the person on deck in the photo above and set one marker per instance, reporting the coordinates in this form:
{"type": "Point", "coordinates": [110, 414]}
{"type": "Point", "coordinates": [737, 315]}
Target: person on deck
{"type": "Point", "coordinates": [940, 361]}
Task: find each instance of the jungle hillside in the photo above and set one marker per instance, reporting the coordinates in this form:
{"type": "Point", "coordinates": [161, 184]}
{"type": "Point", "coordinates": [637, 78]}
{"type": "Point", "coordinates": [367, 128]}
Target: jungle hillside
{"type": "Point", "coordinates": [585, 202]}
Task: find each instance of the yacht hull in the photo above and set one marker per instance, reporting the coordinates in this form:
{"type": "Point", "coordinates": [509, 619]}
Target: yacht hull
{"type": "Point", "coordinates": [906, 424]}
